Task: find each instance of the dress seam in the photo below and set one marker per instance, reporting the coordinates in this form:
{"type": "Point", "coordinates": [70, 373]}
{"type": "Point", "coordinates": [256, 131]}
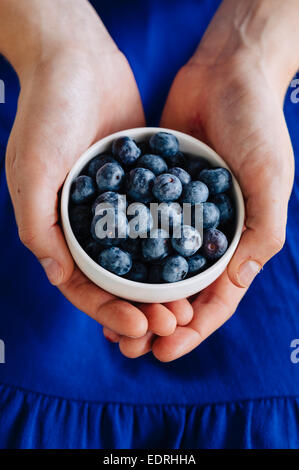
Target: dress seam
{"type": "Point", "coordinates": [136, 405]}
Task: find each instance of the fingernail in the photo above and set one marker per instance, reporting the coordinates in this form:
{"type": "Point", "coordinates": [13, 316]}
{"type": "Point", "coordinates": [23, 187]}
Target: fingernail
{"type": "Point", "coordinates": [53, 270]}
{"type": "Point", "coordinates": [247, 272]}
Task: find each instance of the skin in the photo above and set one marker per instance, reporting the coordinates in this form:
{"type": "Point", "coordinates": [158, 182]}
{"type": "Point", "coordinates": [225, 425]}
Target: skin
{"type": "Point", "coordinates": [229, 94]}
{"type": "Point", "coordinates": [71, 96]}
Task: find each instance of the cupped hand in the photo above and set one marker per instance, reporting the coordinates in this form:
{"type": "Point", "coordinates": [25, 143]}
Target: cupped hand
{"type": "Point", "coordinates": [73, 92]}
{"type": "Point", "coordinates": [232, 100]}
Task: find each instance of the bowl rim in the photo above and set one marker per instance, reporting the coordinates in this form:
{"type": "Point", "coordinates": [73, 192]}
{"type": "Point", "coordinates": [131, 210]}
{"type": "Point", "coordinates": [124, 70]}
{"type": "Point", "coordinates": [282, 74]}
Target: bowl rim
{"type": "Point", "coordinates": [91, 152]}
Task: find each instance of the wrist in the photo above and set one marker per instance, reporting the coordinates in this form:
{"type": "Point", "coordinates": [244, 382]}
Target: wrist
{"type": "Point", "coordinates": [32, 33]}
{"type": "Point", "coordinates": [260, 32]}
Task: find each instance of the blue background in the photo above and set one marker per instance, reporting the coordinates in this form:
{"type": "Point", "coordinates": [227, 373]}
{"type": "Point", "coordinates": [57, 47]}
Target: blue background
{"type": "Point", "coordinates": [64, 385]}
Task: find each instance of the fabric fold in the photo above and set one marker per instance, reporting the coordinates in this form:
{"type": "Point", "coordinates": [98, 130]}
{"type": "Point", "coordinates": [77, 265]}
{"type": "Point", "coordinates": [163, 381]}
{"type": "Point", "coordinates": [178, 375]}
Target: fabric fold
{"type": "Point", "coordinates": [29, 420]}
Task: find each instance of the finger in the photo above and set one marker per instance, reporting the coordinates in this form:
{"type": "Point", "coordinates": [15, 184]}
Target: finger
{"type": "Point", "coordinates": [133, 348]}
{"type": "Point", "coordinates": [37, 160]}
{"type": "Point", "coordinates": [110, 335]}
{"type": "Point", "coordinates": [33, 189]}
{"type": "Point", "coordinates": [264, 236]}
{"type": "Point", "coordinates": [35, 204]}
{"type": "Point", "coordinates": [182, 310]}
{"type": "Point", "coordinates": [117, 315]}
{"type": "Point", "coordinates": [161, 320]}
{"type": "Point", "coordinates": [213, 307]}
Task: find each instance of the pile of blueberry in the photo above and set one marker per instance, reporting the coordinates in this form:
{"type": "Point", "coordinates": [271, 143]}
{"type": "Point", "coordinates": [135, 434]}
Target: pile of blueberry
{"type": "Point", "coordinates": [129, 179]}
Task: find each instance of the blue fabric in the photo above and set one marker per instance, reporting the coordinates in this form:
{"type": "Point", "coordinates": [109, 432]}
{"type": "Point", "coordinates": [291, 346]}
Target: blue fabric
{"type": "Point", "coordinates": [64, 386]}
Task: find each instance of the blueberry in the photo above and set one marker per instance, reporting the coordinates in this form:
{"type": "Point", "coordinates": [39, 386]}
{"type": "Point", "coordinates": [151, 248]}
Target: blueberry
{"type": "Point", "coordinates": [156, 247]}
{"type": "Point", "coordinates": [80, 219]}
{"type": "Point", "coordinates": [175, 269]}
{"type": "Point", "coordinates": [115, 260]}
{"type": "Point", "coordinates": [196, 264]}
{"type": "Point", "coordinates": [177, 160]}
{"type": "Point", "coordinates": [132, 246]}
{"type": "Point", "coordinates": [218, 180]}
{"type": "Point", "coordinates": [195, 193]}
{"type": "Point", "coordinates": [93, 249]}
{"type": "Point", "coordinates": [210, 215]}
{"type": "Point", "coordinates": [82, 190]}
{"type": "Point", "coordinates": [214, 243]}
{"type": "Point", "coordinates": [97, 162]}
{"type": "Point", "coordinates": [140, 219]}
{"type": "Point", "coordinates": [109, 227]}
{"type": "Point", "coordinates": [155, 274]}
{"type": "Point", "coordinates": [126, 150]}
{"type": "Point", "coordinates": [195, 164]}
{"type": "Point", "coordinates": [207, 217]}
{"type": "Point", "coordinates": [140, 183]}
{"type": "Point", "coordinates": [110, 177]}
{"type": "Point", "coordinates": [153, 162]}
{"type": "Point", "coordinates": [169, 215]}
{"type": "Point", "coordinates": [164, 144]}
{"type": "Point", "coordinates": [224, 204]}
{"type": "Point", "coordinates": [189, 241]}
{"type": "Point", "coordinates": [110, 198]}
{"type": "Point", "coordinates": [167, 188]}
{"type": "Point", "coordinates": [183, 176]}
{"type": "Point", "coordinates": [138, 272]}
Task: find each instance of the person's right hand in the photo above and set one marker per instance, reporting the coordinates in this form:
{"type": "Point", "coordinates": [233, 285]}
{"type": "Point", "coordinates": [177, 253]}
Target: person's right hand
{"type": "Point", "coordinates": [75, 89]}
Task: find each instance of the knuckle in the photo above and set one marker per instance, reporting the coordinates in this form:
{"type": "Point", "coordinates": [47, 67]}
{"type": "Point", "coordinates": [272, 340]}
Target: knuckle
{"type": "Point", "coordinates": [10, 162]}
{"type": "Point", "coordinates": [27, 236]}
{"type": "Point", "coordinates": [276, 241]}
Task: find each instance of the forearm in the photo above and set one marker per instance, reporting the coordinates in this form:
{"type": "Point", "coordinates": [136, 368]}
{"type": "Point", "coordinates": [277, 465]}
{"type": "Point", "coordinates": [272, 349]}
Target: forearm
{"type": "Point", "coordinates": [33, 30]}
{"type": "Point", "coordinates": [266, 28]}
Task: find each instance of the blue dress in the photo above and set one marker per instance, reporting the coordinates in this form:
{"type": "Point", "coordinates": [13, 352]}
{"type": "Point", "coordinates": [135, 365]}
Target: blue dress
{"type": "Point", "coordinates": [64, 386]}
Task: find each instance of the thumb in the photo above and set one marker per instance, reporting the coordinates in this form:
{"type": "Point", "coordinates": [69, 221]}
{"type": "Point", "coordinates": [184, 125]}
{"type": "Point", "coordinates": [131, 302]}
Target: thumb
{"type": "Point", "coordinates": [263, 237]}
{"type": "Point", "coordinates": [35, 202]}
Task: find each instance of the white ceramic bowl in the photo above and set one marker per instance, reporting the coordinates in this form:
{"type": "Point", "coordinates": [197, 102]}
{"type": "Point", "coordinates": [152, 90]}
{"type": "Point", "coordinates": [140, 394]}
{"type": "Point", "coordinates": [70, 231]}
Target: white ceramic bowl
{"type": "Point", "coordinates": [136, 291]}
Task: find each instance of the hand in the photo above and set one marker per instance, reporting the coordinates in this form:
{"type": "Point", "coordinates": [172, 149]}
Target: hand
{"type": "Point", "coordinates": [230, 95]}
{"type": "Point", "coordinates": [75, 89]}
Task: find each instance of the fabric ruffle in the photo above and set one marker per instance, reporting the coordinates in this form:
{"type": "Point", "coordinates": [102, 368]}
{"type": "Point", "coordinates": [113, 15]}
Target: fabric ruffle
{"type": "Point", "coordinates": [32, 420]}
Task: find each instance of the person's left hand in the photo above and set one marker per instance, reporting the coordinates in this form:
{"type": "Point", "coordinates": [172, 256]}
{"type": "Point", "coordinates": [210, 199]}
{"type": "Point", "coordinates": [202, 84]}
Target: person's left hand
{"type": "Point", "coordinates": [234, 103]}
